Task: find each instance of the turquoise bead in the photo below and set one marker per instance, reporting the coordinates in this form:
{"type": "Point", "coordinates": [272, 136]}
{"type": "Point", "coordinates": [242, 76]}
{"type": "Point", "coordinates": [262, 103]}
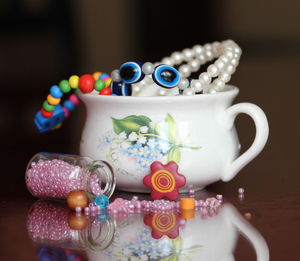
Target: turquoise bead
{"type": "Point", "coordinates": [102, 201]}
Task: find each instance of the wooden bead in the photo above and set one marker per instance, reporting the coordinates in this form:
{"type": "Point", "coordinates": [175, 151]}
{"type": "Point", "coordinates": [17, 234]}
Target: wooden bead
{"type": "Point", "coordinates": [73, 81]}
{"type": "Point", "coordinates": [77, 198]}
{"type": "Point", "coordinates": [96, 75]}
{"type": "Point", "coordinates": [77, 222]}
{"type": "Point", "coordinates": [105, 91]}
{"type": "Point", "coordinates": [46, 114]}
{"type": "Point", "coordinates": [86, 83]}
{"type": "Point", "coordinates": [53, 101]}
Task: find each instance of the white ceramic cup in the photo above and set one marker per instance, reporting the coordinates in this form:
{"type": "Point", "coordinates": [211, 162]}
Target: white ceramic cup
{"type": "Point", "coordinates": [195, 131]}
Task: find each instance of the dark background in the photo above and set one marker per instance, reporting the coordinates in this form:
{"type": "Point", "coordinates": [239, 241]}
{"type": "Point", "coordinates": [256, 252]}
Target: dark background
{"type": "Point", "coordinates": [43, 42]}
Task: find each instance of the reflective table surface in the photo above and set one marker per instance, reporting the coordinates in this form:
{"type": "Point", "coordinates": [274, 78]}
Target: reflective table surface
{"type": "Point", "coordinates": [260, 226]}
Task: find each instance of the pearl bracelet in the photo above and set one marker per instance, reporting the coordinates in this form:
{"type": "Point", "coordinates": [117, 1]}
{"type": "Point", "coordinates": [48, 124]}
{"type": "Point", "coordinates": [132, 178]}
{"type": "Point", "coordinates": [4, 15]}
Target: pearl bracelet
{"type": "Point", "coordinates": [227, 55]}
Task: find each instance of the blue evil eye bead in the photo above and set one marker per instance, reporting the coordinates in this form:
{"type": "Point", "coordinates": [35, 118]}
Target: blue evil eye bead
{"type": "Point", "coordinates": [121, 88]}
{"type": "Point", "coordinates": [102, 201]}
{"type": "Point", "coordinates": [131, 72]}
{"type": "Point", "coordinates": [166, 76]}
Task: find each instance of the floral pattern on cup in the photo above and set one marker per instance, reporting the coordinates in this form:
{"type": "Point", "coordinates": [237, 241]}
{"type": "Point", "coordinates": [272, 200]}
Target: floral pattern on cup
{"type": "Point", "coordinates": [142, 246]}
{"type": "Point", "coordinates": [143, 141]}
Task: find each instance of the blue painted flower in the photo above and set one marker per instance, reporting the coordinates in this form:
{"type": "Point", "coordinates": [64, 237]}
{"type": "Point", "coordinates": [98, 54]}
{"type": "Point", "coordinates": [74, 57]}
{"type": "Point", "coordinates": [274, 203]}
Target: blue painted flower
{"type": "Point", "coordinates": [164, 146]}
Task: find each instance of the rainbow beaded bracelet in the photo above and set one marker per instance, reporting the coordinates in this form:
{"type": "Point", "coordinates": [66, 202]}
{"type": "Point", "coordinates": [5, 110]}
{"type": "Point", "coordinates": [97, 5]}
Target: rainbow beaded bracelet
{"type": "Point", "coordinates": [52, 113]}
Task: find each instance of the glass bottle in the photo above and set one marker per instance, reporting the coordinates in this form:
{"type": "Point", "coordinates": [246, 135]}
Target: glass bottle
{"type": "Point", "coordinates": [53, 175]}
{"type": "Point", "coordinates": [52, 223]}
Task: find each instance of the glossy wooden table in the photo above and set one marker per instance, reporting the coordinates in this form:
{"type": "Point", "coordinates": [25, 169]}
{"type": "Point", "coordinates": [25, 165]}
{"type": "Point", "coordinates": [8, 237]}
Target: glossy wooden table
{"type": "Point", "coordinates": [272, 215]}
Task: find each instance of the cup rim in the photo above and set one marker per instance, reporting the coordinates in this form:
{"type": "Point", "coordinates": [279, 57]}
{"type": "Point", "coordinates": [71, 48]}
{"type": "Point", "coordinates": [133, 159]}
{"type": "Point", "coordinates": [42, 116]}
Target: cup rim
{"type": "Point", "coordinates": [229, 91]}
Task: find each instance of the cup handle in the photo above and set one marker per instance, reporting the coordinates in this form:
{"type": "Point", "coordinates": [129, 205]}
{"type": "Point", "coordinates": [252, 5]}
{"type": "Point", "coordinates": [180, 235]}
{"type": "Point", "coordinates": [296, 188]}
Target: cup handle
{"type": "Point", "coordinates": [255, 238]}
{"type": "Point", "coordinates": [261, 136]}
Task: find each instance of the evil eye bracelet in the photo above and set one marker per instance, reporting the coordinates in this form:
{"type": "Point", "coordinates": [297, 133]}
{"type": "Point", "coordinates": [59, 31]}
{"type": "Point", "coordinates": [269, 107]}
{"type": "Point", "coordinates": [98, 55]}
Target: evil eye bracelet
{"type": "Point", "coordinates": [226, 55]}
{"type": "Point", "coordinates": [52, 113]}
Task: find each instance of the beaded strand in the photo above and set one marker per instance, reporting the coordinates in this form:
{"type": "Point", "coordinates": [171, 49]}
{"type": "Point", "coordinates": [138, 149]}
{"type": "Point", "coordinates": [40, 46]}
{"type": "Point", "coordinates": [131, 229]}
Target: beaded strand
{"type": "Point", "coordinates": [189, 60]}
{"type": "Point", "coordinates": [52, 113]}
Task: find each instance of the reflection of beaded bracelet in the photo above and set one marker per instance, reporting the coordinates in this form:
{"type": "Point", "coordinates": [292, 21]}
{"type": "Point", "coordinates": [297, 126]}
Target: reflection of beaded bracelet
{"type": "Point", "coordinates": [52, 113]}
{"type": "Point", "coordinates": [226, 53]}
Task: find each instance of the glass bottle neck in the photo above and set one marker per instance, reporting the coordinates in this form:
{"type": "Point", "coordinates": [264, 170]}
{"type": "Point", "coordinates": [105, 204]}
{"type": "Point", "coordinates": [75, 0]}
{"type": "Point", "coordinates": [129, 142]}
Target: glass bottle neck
{"type": "Point", "coordinates": [100, 178]}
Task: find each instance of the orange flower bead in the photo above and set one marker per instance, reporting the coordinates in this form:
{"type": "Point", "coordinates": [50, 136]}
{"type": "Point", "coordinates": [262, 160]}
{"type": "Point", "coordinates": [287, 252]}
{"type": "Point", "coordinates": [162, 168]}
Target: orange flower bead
{"type": "Point", "coordinates": [77, 198]}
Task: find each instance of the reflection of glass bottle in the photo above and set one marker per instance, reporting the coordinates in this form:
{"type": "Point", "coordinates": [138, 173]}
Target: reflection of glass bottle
{"type": "Point", "coordinates": [54, 224]}
{"type": "Point", "coordinates": [50, 175]}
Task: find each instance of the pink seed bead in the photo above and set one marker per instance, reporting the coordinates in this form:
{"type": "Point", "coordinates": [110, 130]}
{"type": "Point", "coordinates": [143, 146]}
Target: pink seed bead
{"type": "Point", "coordinates": [241, 191]}
{"type": "Point", "coordinates": [78, 209]}
{"type": "Point", "coordinates": [53, 178]}
{"type": "Point", "coordinates": [219, 197]}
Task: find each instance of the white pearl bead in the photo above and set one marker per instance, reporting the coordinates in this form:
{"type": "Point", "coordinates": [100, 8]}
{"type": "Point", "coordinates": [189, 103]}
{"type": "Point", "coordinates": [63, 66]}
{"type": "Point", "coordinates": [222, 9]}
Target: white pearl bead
{"type": "Point", "coordinates": [206, 88]}
{"type": "Point", "coordinates": [212, 91]}
{"type": "Point", "coordinates": [229, 49]}
{"type": "Point", "coordinates": [220, 64]}
{"type": "Point", "coordinates": [218, 85]}
{"type": "Point", "coordinates": [188, 91]}
{"type": "Point", "coordinates": [216, 48]}
{"type": "Point", "coordinates": [177, 57]}
{"type": "Point", "coordinates": [204, 78]}
{"type": "Point", "coordinates": [136, 89]}
{"type": "Point", "coordinates": [162, 92]}
{"type": "Point", "coordinates": [237, 50]}
{"type": "Point", "coordinates": [142, 82]}
{"type": "Point", "coordinates": [224, 59]}
{"type": "Point", "coordinates": [225, 77]}
{"type": "Point", "coordinates": [195, 65]}
{"type": "Point", "coordinates": [195, 84]}
{"type": "Point", "coordinates": [198, 49]}
{"type": "Point", "coordinates": [229, 54]}
{"type": "Point", "coordinates": [187, 54]}
{"type": "Point", "coordinates": [185, 70]}
{"type": "Point", "coordinates": [147, 79]}
{"type": "Point", "coordinates": [148, 68]}
{"type": "Point", "coordinates": [168, 61]}
{"type": "Point", "coordinates": [230, 69]}
{"type": "Point", "coordinates": [234, 62]}
{"type": "Point", "coordinates": [228, 42]}
{"type": "Point", "coordinates": [201, 58]}
{"type": "Point", "coordinates": [212, 70]}
{"type": "Point", "coordinates": [209, 55]}
{"type": "Point", "coordinates": [115, 75]}
{"type": "Point", "coordinates": [208, 46]}
{"type": "Point", "coordinates": [183, 83]}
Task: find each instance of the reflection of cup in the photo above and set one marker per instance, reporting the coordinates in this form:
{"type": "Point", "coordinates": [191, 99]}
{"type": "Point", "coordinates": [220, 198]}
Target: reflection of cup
{"type": "Point", "coordinates": [54, 224]}
{"type": "Point", "coordinates": [213, 238]}
{"type": "Point", "coordinates": [195, 131]}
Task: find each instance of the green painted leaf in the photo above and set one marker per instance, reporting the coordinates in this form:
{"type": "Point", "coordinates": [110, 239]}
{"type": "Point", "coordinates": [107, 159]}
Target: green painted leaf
{"type": "Point", "coordinates": [172, 128]}
{"type": "Point", "coordinates": [157, 129]}
{"type": "Point", "coordinates": [177, 242]}
{"type": "Point", "coordinates": [174, 155]}
{"type": "Point", "coordinates": [130, 124]}
{"type": "Point", "coordinates": [169, 258]}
